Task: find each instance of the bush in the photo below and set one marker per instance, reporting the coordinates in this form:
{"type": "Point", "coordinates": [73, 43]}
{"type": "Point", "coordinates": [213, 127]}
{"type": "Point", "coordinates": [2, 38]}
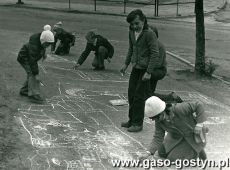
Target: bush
{"type": "Point", "coordinates": [210, 67]}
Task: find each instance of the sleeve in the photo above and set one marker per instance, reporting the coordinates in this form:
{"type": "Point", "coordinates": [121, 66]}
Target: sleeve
{"type": "Point", "coordinates": [54, 44]}
{"type": "Point", "coordinates": [152, 44]}
{"type": "Point", "coordinates": [130, 51]}
{"type": "Point", "coordinates": [198, 109]}
{"type": "Point", "coordinates": [158, 138]}
{"type": "Point", "coordinates": [85, 53]}
{"type": "Point", "coordinates": [111, 49]}
{"type": "Point", "coordinates": [32, 61]}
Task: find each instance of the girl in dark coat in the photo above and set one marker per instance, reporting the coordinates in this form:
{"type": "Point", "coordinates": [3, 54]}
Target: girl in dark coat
{"type": "Point", "coordinates": [28, 57]}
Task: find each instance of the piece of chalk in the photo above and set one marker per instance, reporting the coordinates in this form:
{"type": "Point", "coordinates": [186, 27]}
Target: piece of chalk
{"type": "Point", "coordinates": [42, 84]}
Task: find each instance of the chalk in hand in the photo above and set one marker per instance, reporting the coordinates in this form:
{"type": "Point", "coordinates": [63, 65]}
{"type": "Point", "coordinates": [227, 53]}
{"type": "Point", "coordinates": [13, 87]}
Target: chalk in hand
{"type": "Point", "coordinates": [42, 84]}
{"type": "Point", "coordinates": [122, 73]}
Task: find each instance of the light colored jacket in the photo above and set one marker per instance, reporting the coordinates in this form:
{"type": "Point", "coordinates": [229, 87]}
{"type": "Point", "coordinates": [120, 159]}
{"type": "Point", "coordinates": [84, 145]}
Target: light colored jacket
{"type": "Point", "coordinates": [186, 116]}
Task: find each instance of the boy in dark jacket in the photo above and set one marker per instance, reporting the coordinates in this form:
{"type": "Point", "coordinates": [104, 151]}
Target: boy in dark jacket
{"type": "Point", "coordinates": [28, 57]}
{"type": "Point", "coordinates": [103, 50]}
{"type": "Point", "coordinates": [67, 40]}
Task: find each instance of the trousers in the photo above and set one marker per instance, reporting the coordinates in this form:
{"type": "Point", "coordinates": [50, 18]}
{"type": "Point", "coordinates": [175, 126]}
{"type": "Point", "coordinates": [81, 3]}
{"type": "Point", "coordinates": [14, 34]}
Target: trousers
{"type": "Point", "coordinates": [181, 151]}
{"type": "Point", "coordinates": [138, 92]}
{"type": "Point", "coordinates": [100, 56]}
{"type": "Point", "coordinates": [31, 86]}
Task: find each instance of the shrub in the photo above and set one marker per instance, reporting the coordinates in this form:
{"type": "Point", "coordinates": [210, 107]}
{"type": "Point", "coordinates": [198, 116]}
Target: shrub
{"type": "Point", "coordinates": [210, 67]}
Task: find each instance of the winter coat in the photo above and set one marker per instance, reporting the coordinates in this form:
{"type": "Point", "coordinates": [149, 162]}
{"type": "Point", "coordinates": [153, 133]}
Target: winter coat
{"type": "Point", "coordinates": [186, 116]}
{"type": "Point", "coordinates": [31, 52]}
{"type": "Point", "coordinates": [143, 52]}
{"type": "Point", "coordinates": [100, 41]}
{"type": "Point", "coordinates": [64, 37]}
{"type": "Point", "coordinates": [160, 72]}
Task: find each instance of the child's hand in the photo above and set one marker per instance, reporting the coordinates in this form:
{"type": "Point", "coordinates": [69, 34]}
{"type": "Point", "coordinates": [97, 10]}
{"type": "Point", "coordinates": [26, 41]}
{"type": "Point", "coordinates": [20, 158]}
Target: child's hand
{"type": "Point", "coordinates": [144, 156]}
{"type": "Point", "coordinates": [146, 76]}
{"type": "Point", "coordinates": [37, 78]}
{"type": "Point", "coordinates": [109, 60]}
{"type": "Point", "coordinates": [123, 69]}
{"type": "Point", "coordinates": [76, 66]}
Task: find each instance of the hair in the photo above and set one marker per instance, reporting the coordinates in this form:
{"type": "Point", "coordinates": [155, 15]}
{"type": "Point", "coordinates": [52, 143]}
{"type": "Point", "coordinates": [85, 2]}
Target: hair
{"type": "Point", "coordinates": [90, 36]}
{"type": "Point", "coordinates": [167, 108]}
{"type": "Point", "coordinates": [154, 29]}
{"type": "Point", "coordinates": [133, 14]}
{"type": "Point", "coordinates": [167, 111]}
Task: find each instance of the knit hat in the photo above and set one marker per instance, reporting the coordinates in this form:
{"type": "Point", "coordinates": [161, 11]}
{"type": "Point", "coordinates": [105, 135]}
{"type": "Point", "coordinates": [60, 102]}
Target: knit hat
{"type": "Point", "coordinates": [47, 36]}
{"type": "Point", "coordinates": [47, 27]}
{"type": "Point", "coordinates": [153, 106]}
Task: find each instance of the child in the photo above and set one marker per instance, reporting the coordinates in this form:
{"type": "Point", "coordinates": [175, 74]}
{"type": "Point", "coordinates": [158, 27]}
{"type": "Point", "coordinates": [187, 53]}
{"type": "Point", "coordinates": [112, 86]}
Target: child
{"type": "Point", "coordinates": [102, 47]}
{"type": "Point", "coordinates": [143, 53]}
{"type": "Point", "coordinates": [28, 57]}
{"type": "Point", "coordinates": [47, 27]}
{"type": "Point", "coordinates": [183, 123]}
{"type": "Point", "coordinates": [67, 40]}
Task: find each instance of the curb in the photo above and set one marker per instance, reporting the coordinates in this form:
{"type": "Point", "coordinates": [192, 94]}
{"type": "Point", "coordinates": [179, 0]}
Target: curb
{"type": "Point", "coordinates": [193, 66]}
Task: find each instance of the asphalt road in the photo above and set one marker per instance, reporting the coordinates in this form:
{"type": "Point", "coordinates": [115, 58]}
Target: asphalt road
{"type": "Point", "coordinates": [77, 128]}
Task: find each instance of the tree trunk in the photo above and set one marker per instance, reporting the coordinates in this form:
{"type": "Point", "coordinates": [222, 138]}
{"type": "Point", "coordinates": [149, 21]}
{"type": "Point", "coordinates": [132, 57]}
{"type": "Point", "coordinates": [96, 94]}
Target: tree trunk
{"type": "Point", "coordinates": [200, 37]}
{"type": "Point", "coordinates": [20, 2]}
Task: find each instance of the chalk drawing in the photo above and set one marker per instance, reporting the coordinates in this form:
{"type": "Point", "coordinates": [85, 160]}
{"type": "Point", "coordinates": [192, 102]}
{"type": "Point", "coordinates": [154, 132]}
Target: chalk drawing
{"type": "Point", "coordinates": [75, 133]}
{"type": "Point", "coordinates": [56, 58]}
{"type": "Point", "coordinates": [88, 75]}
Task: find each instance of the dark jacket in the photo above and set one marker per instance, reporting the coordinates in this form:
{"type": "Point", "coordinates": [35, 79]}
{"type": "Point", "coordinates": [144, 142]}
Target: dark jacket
{"type": "Point", "coordinates": [162, 54]}
{"type": "Point", "coordinates": [64, 37]}
{"type": "Point", "coordinates": [186, 116]}
{"type": "Point", "coordinates": [31, 52]}
{"type": "Point", "coordinates": [160, 71]}
{"type": "Point", "coordinates": [100, 41]}
{"type": "Point", "coordinates": [143, 52]}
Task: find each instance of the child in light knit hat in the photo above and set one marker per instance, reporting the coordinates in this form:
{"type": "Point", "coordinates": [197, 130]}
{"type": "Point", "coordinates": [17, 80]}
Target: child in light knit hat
{"type": "Point", "coordinates": [47, 27]}
{"type": "Point", "coordinates": [179, 130]}
{"type": "Point", "coordinates": [28, 57]}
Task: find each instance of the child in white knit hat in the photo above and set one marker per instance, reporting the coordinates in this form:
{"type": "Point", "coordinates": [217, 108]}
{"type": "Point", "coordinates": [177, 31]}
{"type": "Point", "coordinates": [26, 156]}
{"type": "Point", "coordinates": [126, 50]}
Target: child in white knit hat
{"type": "Point", "coordinates": [179, 129]}
{"type": "Point", "coordinates": [28, 57]}
{"type": "Point", "coordinates": [47, 27]}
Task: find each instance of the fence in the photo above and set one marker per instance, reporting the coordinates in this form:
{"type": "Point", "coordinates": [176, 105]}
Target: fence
{"type": "Point", "coordinates": [149, 7]}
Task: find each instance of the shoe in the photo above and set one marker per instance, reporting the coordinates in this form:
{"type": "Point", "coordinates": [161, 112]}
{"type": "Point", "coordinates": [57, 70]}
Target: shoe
{"type": "Point", "coordinates": [23, 93]}
{"type": "Point", "coordinates": [99, 68]}
{"type": "Point", "coordinates": [203, 155]}
{"type": "Point", "coordinates": [126, 124]}
{"type": "Point", "coordinates": [135, 128]}
{"type": "Point", "coordinates": [36, 99]}
{"type": "Point", "coordinates": [175, 97]}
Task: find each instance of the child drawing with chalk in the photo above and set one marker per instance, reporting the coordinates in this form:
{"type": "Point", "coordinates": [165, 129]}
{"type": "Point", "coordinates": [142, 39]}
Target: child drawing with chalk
{"type": "Point", "coordinates": [28, 57]}
{"type": "Point", "coordinates": [103, 51]}
{"type": "Point", "coordinates": [67, 40]}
